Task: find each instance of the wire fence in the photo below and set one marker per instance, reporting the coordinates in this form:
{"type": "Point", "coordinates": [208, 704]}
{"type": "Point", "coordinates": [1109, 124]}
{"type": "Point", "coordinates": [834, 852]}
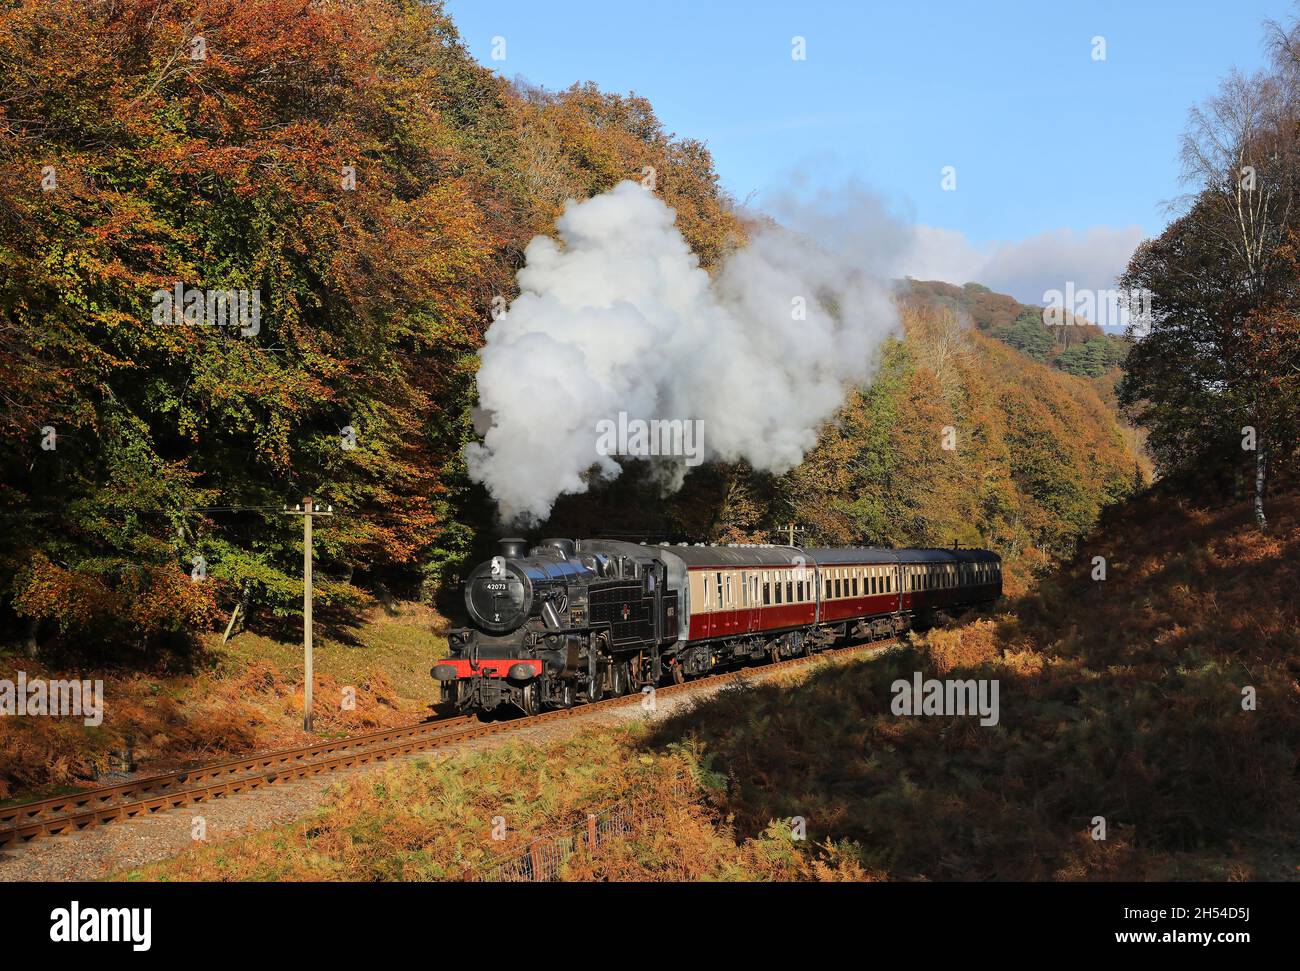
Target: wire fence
{"type": "Point", "coordinates": [544, 858]}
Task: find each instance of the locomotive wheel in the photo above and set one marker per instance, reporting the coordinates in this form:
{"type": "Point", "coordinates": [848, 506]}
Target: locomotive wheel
{"type": "Point", "coordinates": [620, 679]}
{"type": "Point", "coordinates": [597, 672]}
{"type": "Point", "coordinates": [531, 701]}
{"type": "Point", "coordinates": [568, 696]}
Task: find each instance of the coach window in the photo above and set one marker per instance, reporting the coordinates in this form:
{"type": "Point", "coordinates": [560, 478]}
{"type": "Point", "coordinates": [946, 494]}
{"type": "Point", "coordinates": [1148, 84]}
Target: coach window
{"type": "Point", "coordinates": [718, 581]}
{"type": "Point", "coordinates": [767, 592]}
{"type": "Point", "coordinates": [855, 583]}
{"type": "Point", "coordinates": [789, 588]}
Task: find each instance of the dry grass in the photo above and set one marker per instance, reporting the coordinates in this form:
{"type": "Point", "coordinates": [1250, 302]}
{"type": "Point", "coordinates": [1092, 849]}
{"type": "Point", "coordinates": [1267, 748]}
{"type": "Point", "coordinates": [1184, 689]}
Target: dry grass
{"type": "Point", "coordinates": [1120, 699]}
{"type": "Point", "coordinates": [244, 697]}
{"type": "Point", "coordinates": [431, 819]}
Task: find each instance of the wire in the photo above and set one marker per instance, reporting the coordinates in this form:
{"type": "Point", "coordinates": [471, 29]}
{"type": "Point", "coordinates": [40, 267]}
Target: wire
{"type": "Point", "coordinates": [146, 512]}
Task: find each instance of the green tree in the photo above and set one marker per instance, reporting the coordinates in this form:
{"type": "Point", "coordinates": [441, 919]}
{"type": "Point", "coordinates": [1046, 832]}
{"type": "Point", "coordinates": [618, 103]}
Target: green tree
{"type": "Point", "coordinates": [1028, 335]}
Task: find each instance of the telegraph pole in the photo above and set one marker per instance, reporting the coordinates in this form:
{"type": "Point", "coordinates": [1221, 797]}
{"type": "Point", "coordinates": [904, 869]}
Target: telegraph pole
{"type": "Point", "coordinates": [307, 511]}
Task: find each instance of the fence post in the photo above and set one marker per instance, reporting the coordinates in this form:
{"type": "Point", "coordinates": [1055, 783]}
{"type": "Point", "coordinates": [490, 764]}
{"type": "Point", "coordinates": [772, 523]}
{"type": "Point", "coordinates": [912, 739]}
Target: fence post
{"type": "Point", "coordinates": [591, 831]}
{"type": "Point", "coordinates": [535, 855]}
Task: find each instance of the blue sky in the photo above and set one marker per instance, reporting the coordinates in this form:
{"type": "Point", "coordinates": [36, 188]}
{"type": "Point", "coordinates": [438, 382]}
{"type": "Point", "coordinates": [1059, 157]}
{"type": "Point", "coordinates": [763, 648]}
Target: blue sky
{"type": "Point", "coordinates": [1062, 162]}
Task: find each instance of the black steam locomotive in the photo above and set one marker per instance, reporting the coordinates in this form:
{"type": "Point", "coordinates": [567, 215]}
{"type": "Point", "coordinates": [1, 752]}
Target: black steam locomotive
{"type": "Point", "coordinates": [571, 621]}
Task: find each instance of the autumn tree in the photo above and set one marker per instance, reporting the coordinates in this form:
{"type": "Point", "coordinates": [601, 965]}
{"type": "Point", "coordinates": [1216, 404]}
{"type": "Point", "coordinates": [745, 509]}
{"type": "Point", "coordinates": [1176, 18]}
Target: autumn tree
{"type": "Point", "coordinates": [1216, 276]}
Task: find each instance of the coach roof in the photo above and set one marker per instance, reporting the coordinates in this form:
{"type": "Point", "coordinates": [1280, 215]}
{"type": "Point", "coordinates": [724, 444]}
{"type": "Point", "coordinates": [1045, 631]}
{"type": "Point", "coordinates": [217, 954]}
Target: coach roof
{"type": "Point", "coordinates": [737, 557]}
{"type": "Point", "coordinates": [867, 554]}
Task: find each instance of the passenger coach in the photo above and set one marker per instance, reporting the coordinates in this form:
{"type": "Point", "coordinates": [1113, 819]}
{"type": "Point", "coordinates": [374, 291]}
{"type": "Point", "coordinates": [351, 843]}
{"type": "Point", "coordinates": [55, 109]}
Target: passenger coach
{"type": "Point", "coordinates": [575, 620]}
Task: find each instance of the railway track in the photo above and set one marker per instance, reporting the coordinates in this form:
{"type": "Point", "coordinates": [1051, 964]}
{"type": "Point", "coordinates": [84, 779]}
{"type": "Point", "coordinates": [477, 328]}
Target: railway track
{"type": "Point", "coordinates": [23, 823]}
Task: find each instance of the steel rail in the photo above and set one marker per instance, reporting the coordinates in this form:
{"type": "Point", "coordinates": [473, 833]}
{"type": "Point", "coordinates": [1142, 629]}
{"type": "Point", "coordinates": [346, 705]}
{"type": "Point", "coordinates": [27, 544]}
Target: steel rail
{"type": "Point", "coordinates": [102, 795]}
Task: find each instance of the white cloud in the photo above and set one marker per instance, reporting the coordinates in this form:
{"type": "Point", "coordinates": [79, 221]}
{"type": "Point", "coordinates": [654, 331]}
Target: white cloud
{"type": "Point", "coordinates": [1092, 258]}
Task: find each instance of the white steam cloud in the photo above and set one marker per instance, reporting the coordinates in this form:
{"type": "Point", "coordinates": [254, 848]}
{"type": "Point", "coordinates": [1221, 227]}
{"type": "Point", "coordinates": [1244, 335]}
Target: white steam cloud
{"type": "Point", "coordinates": [618, 317]}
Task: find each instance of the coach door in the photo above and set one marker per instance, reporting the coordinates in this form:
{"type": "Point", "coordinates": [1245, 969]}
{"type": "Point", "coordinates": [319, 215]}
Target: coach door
{"type": "Point", "coordinates": [665, 602]}
{"type": "Point", "coordinates": [749, 602]}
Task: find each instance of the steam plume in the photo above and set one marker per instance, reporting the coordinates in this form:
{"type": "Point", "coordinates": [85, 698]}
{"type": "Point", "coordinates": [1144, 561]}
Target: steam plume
{"type": "Point", "coordinates": [619, 317]}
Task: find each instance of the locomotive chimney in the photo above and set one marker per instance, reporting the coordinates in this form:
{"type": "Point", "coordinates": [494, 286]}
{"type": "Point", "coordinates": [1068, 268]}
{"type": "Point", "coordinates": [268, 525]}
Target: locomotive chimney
{"type": "Point", "coordinates": [512, 548]}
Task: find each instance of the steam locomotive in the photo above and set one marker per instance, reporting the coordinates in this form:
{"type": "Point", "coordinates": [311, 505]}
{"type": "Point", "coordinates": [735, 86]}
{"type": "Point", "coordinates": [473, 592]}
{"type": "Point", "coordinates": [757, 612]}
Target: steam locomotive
{"type": "Point", "coordinates": [572, 621]}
